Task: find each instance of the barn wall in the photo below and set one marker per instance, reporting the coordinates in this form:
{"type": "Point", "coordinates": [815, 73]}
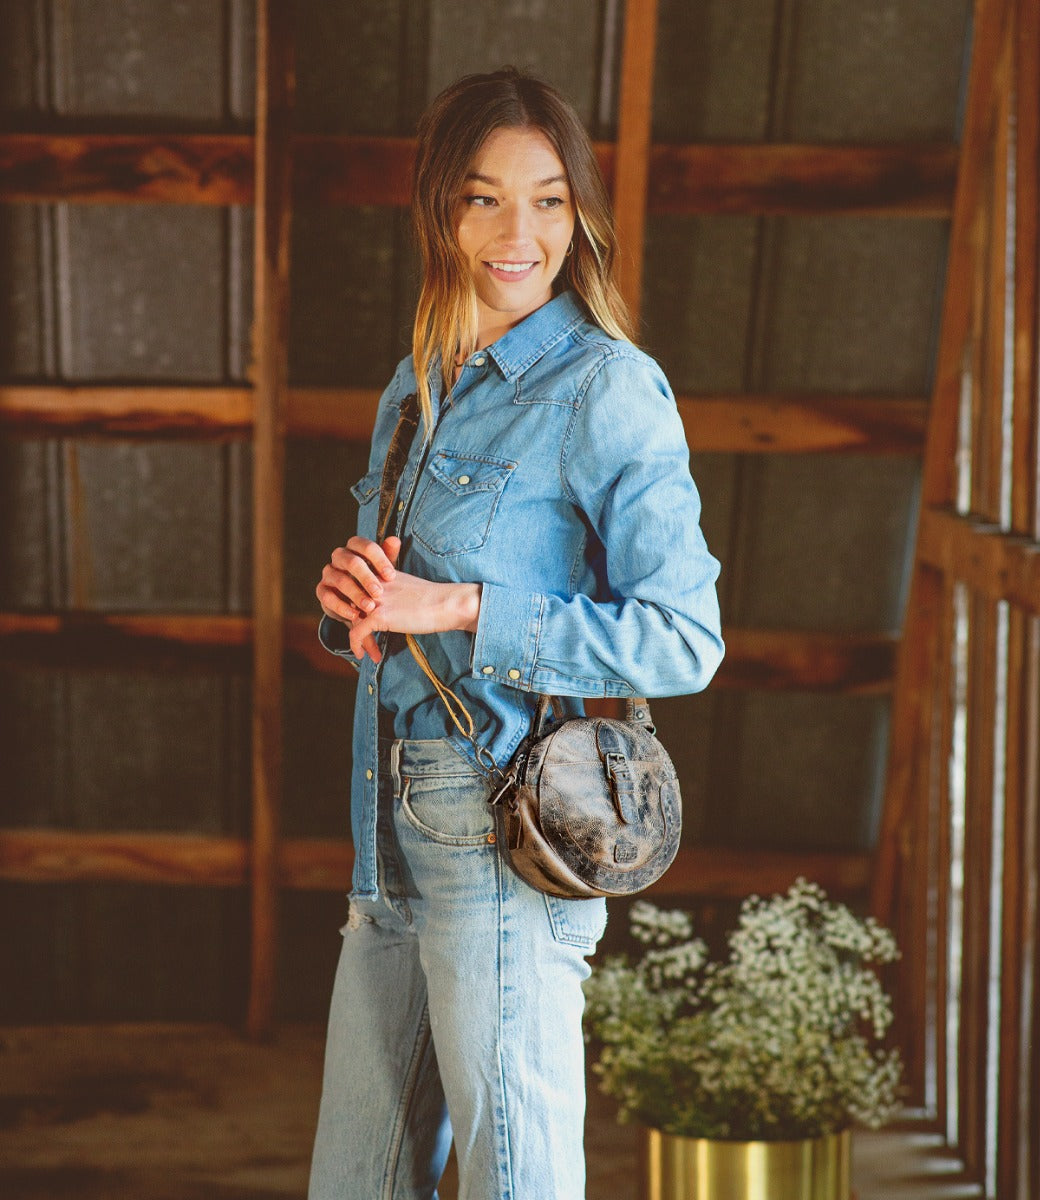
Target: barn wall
{"type": "Point", "coordinates": [163, 294]}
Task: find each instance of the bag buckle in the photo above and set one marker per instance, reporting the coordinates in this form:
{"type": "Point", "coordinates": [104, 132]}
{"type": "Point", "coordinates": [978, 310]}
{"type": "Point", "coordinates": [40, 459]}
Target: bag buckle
{"type": "Point", "coordinates": [622, 786]}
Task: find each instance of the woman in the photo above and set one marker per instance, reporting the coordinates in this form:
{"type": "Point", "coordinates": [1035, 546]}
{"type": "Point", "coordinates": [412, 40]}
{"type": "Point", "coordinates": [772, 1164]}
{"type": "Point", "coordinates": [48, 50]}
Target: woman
{"type": "Point", "coordinates": [545, 533]}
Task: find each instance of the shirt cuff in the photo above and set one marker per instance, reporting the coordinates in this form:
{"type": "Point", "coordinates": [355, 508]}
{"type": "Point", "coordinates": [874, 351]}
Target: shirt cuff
{"type": "Point", "coordinates": [335, 637]}
{"type": "Point", "coordinates": [505, 646]}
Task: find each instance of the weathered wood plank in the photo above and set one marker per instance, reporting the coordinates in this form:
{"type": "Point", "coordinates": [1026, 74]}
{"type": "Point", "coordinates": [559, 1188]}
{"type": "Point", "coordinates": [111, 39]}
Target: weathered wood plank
{"type": "Point", "coordinates": [997, 565]}
{"type": "Point", "coordinates": [111, 168]}
{"type": "Point", "coordinates": [767, 659]}
{"type": "Point", "coordinates": [99, 168]}
{"type": "Point", "coordinates": [734, 424]}
{"type": "Point", "coordinates": [126, 410]}
{"type": "Point", "coordinates": [274, 105]}
{"type": "Point", "coordinates": [775, 660]}
{"type": "Point", "coordinates": [1025, 415]}
{"type": "Point", "coordinates": [910, 181]}
{"type": "Point", "coordinates": [806, 424]}
{"type": "Point", "coordinates": [315, 864]}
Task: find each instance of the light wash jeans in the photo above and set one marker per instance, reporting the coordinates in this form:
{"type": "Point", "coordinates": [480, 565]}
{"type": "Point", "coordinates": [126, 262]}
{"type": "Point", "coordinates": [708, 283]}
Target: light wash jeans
{"type": "Point", "coordinates": [458, 992]}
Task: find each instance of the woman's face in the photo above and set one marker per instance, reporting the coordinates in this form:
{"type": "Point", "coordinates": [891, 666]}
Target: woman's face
{"type": "Point", "coordinates": [516, 220]}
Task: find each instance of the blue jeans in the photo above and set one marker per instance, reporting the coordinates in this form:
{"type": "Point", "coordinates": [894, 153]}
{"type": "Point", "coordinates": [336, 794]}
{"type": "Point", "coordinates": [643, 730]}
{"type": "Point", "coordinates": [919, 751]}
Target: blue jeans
{"type": "Point", "coordinates": [456, 1009]}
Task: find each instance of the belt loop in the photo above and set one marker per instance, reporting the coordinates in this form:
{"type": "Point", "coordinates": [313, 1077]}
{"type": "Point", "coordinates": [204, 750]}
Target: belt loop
{"type": "Point", "coordinates": [395, 765]}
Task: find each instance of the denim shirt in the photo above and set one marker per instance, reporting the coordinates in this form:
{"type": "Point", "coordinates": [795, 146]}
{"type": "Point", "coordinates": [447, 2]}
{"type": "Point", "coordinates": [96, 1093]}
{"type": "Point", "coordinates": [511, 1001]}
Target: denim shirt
{"type": "Point", "coordinates": [557, 477]}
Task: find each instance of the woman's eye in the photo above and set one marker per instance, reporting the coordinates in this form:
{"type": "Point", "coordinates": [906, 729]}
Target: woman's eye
{"type": "Point", "coordinates": [552, 202]}
{"type": "Point", "coordinates": [480, 201]}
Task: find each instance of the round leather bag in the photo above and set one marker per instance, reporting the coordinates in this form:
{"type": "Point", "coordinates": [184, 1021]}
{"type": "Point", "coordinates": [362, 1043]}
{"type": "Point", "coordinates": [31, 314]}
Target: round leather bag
{"type": "Point", "coordinates": [597, 810]}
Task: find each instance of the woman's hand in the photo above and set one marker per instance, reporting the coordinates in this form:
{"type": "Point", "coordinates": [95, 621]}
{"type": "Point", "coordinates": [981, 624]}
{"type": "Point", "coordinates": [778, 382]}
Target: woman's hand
{"type": "Point", "coordinates": [361, 587]}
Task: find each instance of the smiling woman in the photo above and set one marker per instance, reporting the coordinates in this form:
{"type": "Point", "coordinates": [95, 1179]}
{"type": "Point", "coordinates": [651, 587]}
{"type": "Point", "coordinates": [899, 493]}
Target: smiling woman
{"type": "Point", "coordinates": [516, 226]}
{"type": "Point", "coordinates": [540, 522]}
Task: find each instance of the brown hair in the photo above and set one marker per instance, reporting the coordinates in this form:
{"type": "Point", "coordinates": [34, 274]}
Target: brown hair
{"type": "Point", "coordinates": [451, 132]}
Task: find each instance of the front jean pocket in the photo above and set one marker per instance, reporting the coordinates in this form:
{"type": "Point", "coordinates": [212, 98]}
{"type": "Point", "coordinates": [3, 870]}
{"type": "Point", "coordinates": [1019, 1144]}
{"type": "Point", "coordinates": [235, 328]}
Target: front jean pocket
{"type": "Point", "coordinates": [456, 508]}
{"type": "Point", "coordinates": [450, 809]}
{"type": "Point", "coordinates": [577, 922]}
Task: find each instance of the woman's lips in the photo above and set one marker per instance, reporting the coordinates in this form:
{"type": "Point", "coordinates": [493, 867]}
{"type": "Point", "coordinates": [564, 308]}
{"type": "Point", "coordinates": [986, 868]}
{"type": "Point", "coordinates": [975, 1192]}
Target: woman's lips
{"type": "Point", "coordinates": [510, 272]}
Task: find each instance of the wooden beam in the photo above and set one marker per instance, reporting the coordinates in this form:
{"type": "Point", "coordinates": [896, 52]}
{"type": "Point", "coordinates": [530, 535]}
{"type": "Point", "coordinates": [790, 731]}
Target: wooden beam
{"type": "Point", "coordinates": [800, 180]}
{"type": "Point", "coordinates": [914, 180]}
{"type": "Point", "coordinates": [772, 660]}
{"type": "Point", "coordinates": [913, 704]}
{"type": "Point", "coordinates": [111, 168]}
{"type": "Point", "coordinates": [998, 566]}
{"type": "Point", "coordinates": [274, 104]}
{"type": "Point", "coordinates": [807, 424]}
{"type": "Point", "coordinates": [734, 424]}
{"type": "Point", "coordinates": [787, 660]}
{"type": "Point", "coordinates": [126, 410]}
{"type": "Point", "coordinates": [315, 864]}
{"type": "Point", "coordinates": [632, 154]}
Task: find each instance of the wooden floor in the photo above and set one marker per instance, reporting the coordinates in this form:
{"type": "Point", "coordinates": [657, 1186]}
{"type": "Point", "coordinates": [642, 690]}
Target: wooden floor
{"type": "Point", "coordinates": [188, 1113]}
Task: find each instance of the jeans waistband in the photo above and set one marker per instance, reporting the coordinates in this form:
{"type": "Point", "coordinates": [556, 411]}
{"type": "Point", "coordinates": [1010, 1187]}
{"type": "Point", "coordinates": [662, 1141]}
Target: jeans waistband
{"type": "Point", "coordinates": [424, 756]}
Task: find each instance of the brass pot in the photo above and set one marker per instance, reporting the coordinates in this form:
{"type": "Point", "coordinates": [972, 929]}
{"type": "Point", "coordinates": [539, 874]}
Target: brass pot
{"type": "Point", "coordinates": [680, 1168]}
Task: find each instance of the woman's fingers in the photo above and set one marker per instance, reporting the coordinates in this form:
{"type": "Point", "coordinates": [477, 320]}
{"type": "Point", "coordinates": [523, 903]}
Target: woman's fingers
{"type": "Point", "coordinates": [374, 555]}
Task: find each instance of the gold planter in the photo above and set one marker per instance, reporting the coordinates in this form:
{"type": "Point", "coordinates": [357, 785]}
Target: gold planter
{"type": "Point", "coordinates": [681, 1168]}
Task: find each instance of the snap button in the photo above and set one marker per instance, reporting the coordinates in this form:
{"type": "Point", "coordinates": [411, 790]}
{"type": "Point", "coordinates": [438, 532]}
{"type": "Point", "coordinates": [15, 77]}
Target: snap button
{"type": "Point", "coordinates": [371, 690]}
{"type": "Point", "coordinates": [514, 673]}
{"type": "Point", "coordinates": [491, 839]}
{"type": "Point", "coordinates": [368, 773]}
{"type": "Point", "coordinates": [479, 361]}
{"type": "Point", "coordinates": [488, 670]}
{"type": "Point", "coordinates": [463, 479]}
{"type": "Point", "coordinates": [400, 506]}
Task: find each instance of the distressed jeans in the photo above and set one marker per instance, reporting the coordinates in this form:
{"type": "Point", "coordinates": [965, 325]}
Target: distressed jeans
{"type": "Point", "coordinates": [456, 1010]}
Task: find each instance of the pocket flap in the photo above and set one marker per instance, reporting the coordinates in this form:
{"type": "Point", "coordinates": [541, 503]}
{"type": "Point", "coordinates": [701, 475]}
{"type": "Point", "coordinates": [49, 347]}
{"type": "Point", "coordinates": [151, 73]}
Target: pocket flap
{"type": "Point", "coordinates": [465, 474]}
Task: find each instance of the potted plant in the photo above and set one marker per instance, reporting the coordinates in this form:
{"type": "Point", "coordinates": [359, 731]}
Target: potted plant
{"type": "Point", "coordinates": [750, 1070]}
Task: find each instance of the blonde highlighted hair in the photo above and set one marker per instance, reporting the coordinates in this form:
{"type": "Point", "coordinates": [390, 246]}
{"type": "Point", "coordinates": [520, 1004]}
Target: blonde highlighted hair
{"type": "Point", "coordinates": [451, 132]}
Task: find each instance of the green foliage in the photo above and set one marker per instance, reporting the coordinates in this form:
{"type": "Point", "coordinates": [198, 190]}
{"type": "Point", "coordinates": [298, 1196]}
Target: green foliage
{"type": "Point", "coordinates": [780, 1041]}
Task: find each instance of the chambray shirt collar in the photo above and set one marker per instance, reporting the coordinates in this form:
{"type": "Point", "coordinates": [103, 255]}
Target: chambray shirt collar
{"type": "Point", "coordinates": [525, 343]}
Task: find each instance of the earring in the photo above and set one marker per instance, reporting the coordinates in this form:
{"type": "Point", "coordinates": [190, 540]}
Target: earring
{"type": "Point", "coordinates": [570, 247]}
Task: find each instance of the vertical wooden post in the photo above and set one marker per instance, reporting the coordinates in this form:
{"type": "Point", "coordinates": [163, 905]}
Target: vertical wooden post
{"type": "Point", "coordinates": [912, 713]}
{"type": "Point", "coordinates": [632, 156]}
{"type": "Point", "coordinates": [275, 83]}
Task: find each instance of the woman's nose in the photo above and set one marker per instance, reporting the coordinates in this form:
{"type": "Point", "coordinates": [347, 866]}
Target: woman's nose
{"type": "Point", "coordinates": [516, 223]}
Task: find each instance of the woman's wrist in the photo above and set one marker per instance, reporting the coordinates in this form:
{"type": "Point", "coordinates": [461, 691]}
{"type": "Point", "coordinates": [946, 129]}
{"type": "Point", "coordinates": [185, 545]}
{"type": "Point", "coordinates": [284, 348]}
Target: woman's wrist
{"type": "Point", "coordinates": [465, 601]}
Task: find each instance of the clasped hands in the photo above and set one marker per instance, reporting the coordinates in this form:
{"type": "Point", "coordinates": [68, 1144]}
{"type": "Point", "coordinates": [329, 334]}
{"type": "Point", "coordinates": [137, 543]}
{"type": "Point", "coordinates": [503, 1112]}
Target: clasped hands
{"type": "Point", "coordinates": [362, 587]}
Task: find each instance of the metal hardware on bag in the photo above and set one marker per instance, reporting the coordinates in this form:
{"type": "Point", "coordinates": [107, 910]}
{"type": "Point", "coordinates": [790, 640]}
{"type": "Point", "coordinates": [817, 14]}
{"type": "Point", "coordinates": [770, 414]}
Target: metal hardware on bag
{"type": "Point", "coordinates": [622, 786]}
{"type": "Point", "coordinates": [500, 793]}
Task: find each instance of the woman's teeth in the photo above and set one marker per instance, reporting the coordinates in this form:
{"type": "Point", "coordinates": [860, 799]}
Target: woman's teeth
{"type": "Point", "coordinates": [510, 266]}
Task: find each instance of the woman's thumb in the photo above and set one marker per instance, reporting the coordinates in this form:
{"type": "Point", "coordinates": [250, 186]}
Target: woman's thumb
{"type": "Point", "coordinates": [392, 548]}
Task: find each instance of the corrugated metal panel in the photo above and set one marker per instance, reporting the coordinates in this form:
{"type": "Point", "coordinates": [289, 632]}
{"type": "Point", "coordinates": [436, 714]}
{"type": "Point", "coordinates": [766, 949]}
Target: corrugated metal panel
{"type": "Point", "coordinates": [157, 752]}
{"type": "Point", "coordinates": [772, 70]}
{"type": "Point", "coordinates": [142, 292]}
{"type": "Point", "coordinates": [569, 43]}
{"type": "Point", "coordinates": [850, 304]}
{"type": "Point", "coordinates": [19, 53]}
{"type": "Point", "coordinates": [345, 327]}
{"type": "Point", "coordinates": [129, 58]}
{"type": "Point", "coordinates": [108, 952]}
{"type": "Point", "coordinates": [712, 77]}
{"type": "Point", "coordinates": [889, 70]}
{"type": "Point", "coordinates": [359, 65]}
{"type": "Point", "coordinates": [804, 771]}
{"type": "Point", "coordinates": [827, 543]}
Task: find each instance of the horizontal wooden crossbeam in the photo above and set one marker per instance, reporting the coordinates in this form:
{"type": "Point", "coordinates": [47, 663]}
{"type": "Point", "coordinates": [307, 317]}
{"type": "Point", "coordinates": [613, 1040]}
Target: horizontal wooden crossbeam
{"type": "Point", "coordinates": [999, 566]}
{"type": "Point", "coordinates": [314, 864]}
{"type": "Point", "coordinates": [200, 168]}
{"type": "Point", "coordinates": [738, 424]}
{"type": "Point", "coordinates": [755, 659]}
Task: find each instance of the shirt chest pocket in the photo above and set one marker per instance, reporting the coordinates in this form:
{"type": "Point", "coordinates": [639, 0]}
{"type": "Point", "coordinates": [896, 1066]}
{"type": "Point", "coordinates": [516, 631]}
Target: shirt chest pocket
{"type": "Point", "coordinates": [458, 501]}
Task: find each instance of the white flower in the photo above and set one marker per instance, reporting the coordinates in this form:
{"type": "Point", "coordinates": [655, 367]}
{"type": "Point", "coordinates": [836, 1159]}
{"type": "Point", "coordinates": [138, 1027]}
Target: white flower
{"type": "Point", "coordinates": [779, 1040]}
